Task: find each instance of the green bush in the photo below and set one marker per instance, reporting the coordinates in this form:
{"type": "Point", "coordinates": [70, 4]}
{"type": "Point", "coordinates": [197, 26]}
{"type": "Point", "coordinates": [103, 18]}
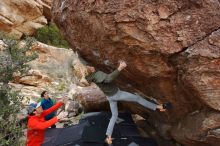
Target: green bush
{"type": "Point", "coordinates": [51, 35]}
{"type": "Point", "coordinates": [12, 59]}
{"type": "Point", "coordinates": [11, 131]}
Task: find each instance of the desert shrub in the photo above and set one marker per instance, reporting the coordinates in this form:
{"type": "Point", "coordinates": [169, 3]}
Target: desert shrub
{"type": "Point", "coordinates": [13, 59]}
{"type": "Point", "coordinates": [50, 34]}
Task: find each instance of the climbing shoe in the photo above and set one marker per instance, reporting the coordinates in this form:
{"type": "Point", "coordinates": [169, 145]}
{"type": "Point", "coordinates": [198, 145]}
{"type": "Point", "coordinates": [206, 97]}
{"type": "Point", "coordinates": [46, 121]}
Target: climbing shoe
{"type": "Point", "coordinates": [167, 105]}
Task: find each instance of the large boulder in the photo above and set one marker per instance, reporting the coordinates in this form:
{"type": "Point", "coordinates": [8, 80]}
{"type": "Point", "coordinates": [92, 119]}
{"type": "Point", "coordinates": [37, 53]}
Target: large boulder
{"type": "Point", "coordinates": [171, 48]}
{"type": "Point", "coordinates": [18, 17]}
{"type": "Point", "coordinates": [205, 132]}
{"type": "Point", "coordinates": [198, 68]}
{"type": "Point", "coordinates": [91, 98]}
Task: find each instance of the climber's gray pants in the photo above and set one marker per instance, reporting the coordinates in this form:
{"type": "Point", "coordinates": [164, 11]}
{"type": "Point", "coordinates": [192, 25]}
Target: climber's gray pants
{"type": "Point", "coordinates": [124, 96]}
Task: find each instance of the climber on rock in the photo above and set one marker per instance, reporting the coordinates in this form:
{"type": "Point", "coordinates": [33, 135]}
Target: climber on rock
{"type": "Point", "coordinates": [105, 82]}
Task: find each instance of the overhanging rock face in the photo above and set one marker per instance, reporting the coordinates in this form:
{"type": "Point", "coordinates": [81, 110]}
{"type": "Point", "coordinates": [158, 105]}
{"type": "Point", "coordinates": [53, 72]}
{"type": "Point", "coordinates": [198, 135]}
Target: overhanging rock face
{"type": "Point", "coordinates": [171, 48]}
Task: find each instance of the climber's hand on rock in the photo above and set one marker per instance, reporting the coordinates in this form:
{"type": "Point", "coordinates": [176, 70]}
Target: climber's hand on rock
{"type": "Point", "coordinates": [122, 65]}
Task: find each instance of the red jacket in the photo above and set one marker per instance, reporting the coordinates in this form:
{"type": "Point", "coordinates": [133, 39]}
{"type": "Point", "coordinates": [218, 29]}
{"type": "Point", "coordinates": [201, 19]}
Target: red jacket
{"type": "Point", "coordinates": [37, 125]}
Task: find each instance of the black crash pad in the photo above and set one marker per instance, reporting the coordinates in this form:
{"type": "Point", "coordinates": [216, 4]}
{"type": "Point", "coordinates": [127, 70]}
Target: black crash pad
{"type": "Point", "coordinates": [91, 132]}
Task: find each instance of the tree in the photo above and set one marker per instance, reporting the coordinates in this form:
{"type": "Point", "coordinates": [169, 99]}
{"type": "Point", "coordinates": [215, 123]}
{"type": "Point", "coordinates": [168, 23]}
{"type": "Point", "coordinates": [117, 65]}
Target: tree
{"type": "Point", "coordinates": [13, 59]}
